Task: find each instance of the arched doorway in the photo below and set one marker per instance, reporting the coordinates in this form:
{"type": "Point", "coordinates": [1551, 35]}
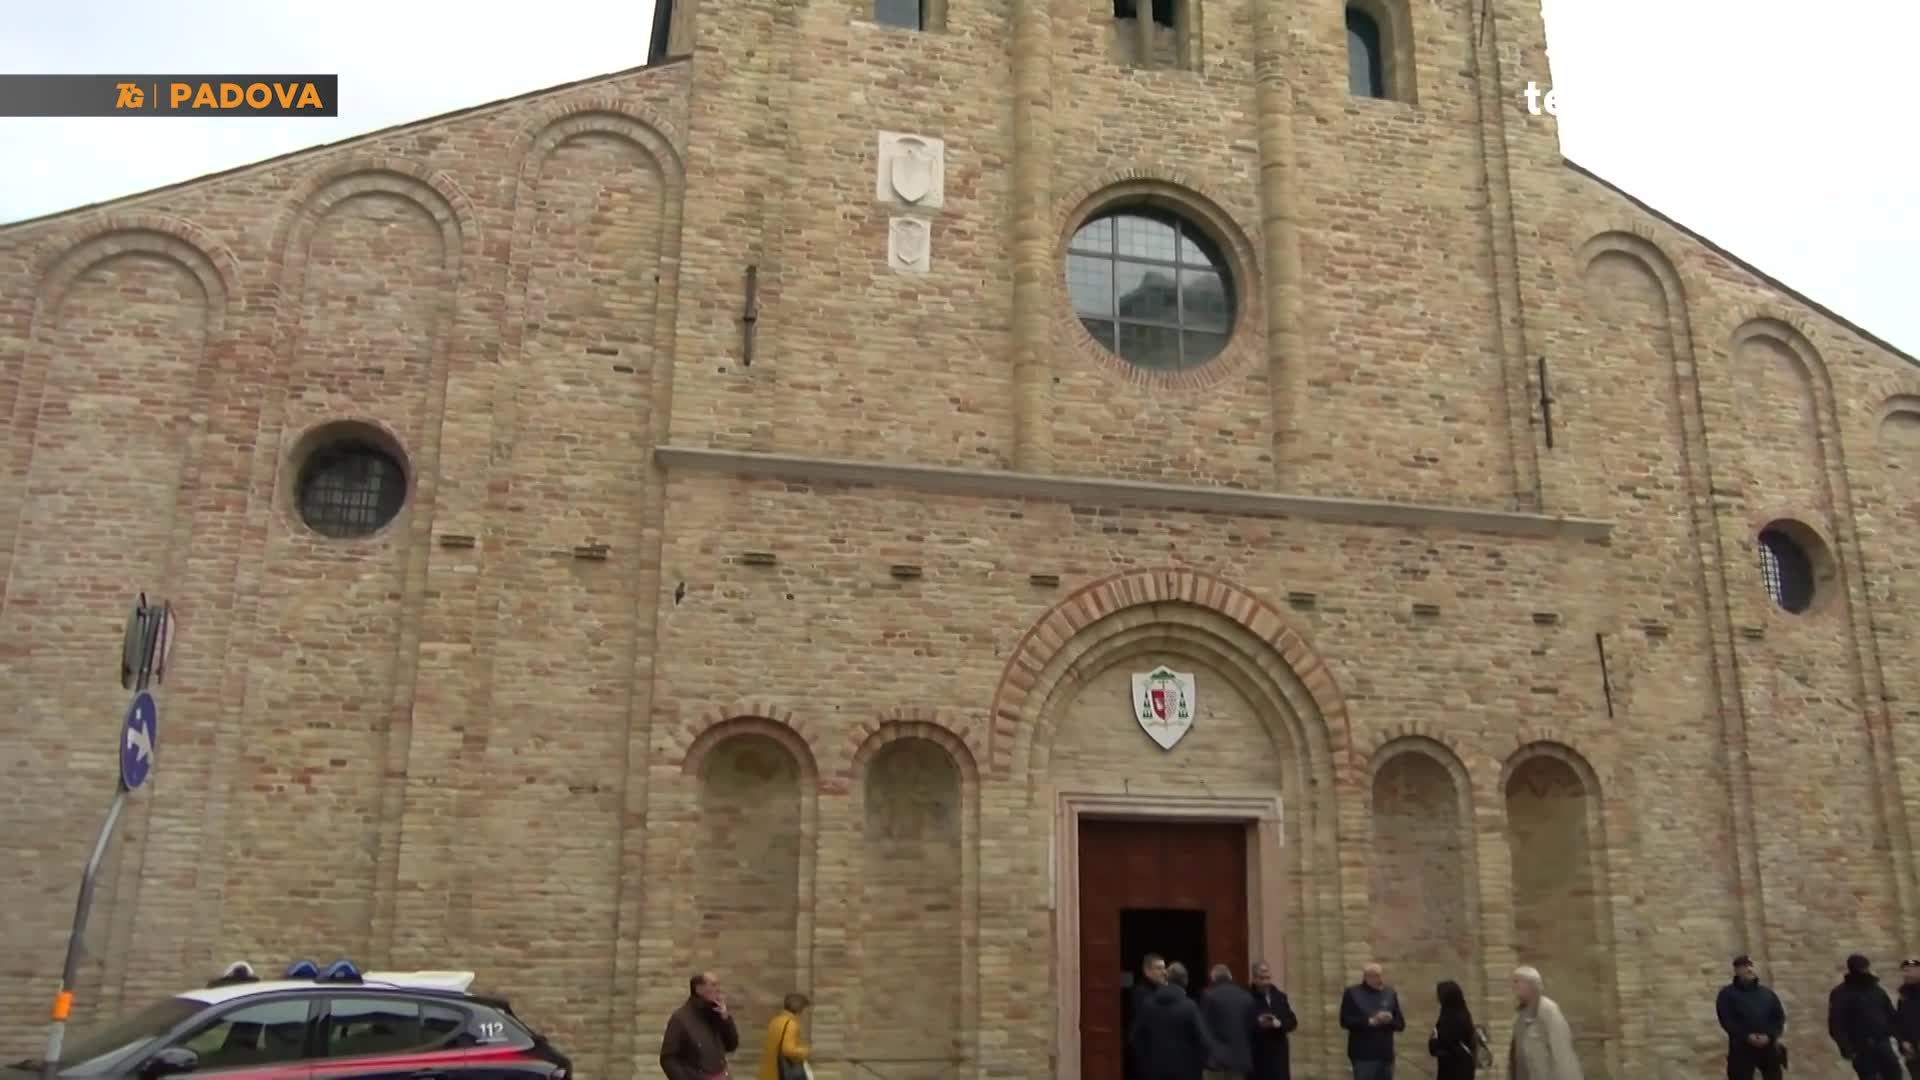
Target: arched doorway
{"type": "Point", "coordinates": [1149, 830]}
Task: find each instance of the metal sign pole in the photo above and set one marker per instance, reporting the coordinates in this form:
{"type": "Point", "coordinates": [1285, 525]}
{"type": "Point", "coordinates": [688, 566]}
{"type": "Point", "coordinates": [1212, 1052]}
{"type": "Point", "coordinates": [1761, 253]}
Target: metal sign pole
{"type": "Point", "coordinates": [148, 639]}
{"type": "Point", "coordinates": [70, 974]}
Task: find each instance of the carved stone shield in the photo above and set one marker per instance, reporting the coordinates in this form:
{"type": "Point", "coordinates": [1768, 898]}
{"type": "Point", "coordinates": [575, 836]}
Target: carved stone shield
{"type": "Point", "coordinates": [910, 241]}
{"type": "Point", "coordinates": [911, 170]}
{"type": "Point", "coordinates": [1163, 703]}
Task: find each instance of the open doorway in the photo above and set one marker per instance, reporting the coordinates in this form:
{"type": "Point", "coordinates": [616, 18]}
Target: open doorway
{"type": "Point", "coordinates": [1178, 935]}
{"type": "Point", "coordinates": [1176, 888]}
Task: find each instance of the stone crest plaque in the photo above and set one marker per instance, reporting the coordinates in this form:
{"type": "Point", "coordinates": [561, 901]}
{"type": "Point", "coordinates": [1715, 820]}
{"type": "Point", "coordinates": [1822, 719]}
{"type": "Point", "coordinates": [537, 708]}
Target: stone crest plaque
{"type": "Point", "coordinates": [912, 170]}
{"type": "Point", "coordinates": [909, 245]}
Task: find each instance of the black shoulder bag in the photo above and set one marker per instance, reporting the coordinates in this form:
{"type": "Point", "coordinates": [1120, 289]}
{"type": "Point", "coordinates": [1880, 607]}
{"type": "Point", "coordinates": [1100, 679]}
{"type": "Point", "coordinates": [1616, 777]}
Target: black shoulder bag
{"type": "Point", "coordinates": [789, 1070]}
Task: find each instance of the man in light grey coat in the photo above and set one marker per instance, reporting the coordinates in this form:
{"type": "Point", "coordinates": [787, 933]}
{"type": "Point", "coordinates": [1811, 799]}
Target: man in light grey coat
{"type": "Point", "coordinates": [1542, 1041]}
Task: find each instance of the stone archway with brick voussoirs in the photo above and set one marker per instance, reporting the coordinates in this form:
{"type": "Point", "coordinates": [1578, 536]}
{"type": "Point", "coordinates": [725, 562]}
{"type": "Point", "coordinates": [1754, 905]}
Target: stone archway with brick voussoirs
{"type": "Point", "coordinates": [1209, 833]}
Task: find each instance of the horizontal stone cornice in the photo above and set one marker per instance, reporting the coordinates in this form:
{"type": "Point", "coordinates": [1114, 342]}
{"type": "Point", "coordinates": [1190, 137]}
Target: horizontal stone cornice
{"type": "Point", "coordinates": [1003, 484]}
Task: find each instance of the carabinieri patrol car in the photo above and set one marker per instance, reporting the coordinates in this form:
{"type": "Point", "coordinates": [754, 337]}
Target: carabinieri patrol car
{"type": "Point", "coordinates": [336, 1024]}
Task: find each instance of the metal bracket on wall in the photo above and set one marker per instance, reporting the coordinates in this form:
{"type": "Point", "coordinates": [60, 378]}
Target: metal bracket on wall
{"type": "Point", "coordinates": [1606, 682]}
{"type": "Point", "coordinates": [750, 315]}
{"type": "Point", "coordinates": [1546, 402]}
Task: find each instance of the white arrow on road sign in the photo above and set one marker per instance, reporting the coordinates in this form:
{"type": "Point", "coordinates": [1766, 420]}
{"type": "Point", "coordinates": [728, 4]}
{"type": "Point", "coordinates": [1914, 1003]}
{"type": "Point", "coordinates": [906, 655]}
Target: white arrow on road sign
{"type": "Point", "coordinates": [141, 729]}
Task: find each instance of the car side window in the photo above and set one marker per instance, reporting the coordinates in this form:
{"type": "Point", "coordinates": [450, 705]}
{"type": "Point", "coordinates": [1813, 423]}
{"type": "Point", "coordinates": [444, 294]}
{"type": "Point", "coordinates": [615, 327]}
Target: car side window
{"type": "Point", "coordinates": [270, 1033]}
{"type": "Point", "coordinates": [360, 1026]}
{"type": "Point", "coordinates": [439, 1024]}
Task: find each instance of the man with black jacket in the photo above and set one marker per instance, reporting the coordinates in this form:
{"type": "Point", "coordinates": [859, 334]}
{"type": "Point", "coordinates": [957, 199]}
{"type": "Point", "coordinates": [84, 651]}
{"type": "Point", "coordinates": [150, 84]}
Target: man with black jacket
{"type": "Point", "coordinates": [1168, 1038]}
{"type": "Point", "coordinates": [1370, 1011]}
{"type": "Point", "coordinates": [1229, 1012]}
{"type": "Point", "coordinates": [1274, 1021]}
{"type": "Point", "coordinates": [1754, 1020]}
{"type": "Point", "coordinates": [1860, 1019]}
{"type": "Point", "coordinates": [1906, 1017]}
{"type": "Point", "coordinates": [1153, 975]}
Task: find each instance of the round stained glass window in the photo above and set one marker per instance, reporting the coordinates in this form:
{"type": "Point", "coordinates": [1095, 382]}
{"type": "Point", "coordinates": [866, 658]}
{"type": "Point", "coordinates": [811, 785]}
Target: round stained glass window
{"type": "Point", "coordinates": [1151, 288]}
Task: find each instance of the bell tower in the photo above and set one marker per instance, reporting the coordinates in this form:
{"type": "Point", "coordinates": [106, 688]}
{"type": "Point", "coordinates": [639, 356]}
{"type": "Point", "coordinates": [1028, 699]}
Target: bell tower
{"type": "Point", "coordinates": [669, 35]}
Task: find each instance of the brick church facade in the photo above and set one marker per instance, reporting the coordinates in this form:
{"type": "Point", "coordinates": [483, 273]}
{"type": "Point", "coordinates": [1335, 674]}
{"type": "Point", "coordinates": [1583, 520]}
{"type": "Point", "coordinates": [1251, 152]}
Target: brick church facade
{"type": "Point", "coordinates": [727, 514]}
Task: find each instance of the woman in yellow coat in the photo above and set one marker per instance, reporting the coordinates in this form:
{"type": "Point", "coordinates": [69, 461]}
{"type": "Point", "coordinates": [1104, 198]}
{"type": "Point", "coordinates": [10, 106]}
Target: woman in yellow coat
{"type": "Point", "coordinates": [783, 1037]}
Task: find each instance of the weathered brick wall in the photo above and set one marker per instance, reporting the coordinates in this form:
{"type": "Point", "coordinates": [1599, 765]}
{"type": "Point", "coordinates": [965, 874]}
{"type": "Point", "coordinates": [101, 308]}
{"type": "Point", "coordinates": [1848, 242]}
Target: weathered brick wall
{"type": "Point", "coordinates": [1618, 411]}
{"type": "Point", "coordinates": [856, 664]}
{"type": "Point", "coordinates": [511, 757]}
{"type": "Point", "coordinates": [783, 135]}
{"type": "Point", "coordinates": [1404, 397]}
{"type": "Point", "coordinates": [1801, 726]}
{"type": "Point", "coordinates": [143, 315]}
{"type": "Point", "coordinates": [487, 290]}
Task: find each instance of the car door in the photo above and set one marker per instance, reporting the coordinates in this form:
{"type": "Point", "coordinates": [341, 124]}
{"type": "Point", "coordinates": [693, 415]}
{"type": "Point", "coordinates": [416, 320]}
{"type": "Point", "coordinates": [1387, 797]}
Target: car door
{"type": "Point", "coordinates": [381, 1036]}
{"type": "Point", "coordinates": [271, 1039]}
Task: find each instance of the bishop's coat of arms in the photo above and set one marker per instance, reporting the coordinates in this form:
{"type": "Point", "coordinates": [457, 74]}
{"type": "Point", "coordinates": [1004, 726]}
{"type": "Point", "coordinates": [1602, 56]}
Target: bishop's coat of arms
{"type": "Point", "coordinates": [1163, 703]}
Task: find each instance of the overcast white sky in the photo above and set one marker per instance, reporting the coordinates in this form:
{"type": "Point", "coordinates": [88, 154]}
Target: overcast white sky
{"type": "Point", "coordinates": [1788, 132]}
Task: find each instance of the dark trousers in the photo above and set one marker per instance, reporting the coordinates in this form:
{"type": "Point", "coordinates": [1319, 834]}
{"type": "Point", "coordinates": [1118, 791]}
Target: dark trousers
{"type": "Point", "coordinates": [1373, 1070]}
{"type": "Point", "coordinates": [1877, 1062]}
{"type": "Point", "coordinates": [1744, 1059]}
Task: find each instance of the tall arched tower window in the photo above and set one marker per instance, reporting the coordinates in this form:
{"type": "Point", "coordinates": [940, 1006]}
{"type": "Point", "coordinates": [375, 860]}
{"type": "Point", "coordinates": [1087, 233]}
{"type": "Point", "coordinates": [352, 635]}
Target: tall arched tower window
{"type": "Point", "coordinates": [1366, 63]}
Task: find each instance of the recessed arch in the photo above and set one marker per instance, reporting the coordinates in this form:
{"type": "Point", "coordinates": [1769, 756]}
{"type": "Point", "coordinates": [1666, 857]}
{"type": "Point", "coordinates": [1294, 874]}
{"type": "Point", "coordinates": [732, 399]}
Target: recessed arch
{"type": "Point", "coordinates": [1558, 843]}
{"type": "Point", "coordinates": [1143, 597]}
{"type": "Point", "coordinates": [113, 294]}
{"type": "Point", "coordinates": [433, 190]}
{"type": "Point", "coordinates": [933, 874]}
{"type": "Point", "coordinates": [745, 862]}
{"type": "Point", "coordinates": [1761, 326]}
{"type": "Point", "coordinates": [1303, 789]}
{"type": "Point", "coordinates": [915, 808]}
{"type": "Point", "coordinates": [601, 111]}
{"type": "Point", "coordinates": [1898, 429]}
{"type": "Point", "coordinates": [1788, 404]}
{"type": "Point", "coordinates": [913, 724]}
{"type": "Point", "coordinates": [1198, 638]}
{"type": "Point", "coordinates": [1422, 895]}
{"type": "Point", "coordinates": [1645, 251]}
{"type": "Point", "coordinates": [69, 256]}
{"type": "Point", "coordinates": [1829, 489]}
{"type": "Point", "coordinates": [1558, 749]}
{"type": "Point", "coordinates": [1435, 747]}
{"type": "Point", "coordinates": [715, 729]}
{"type": "Point", "coordinates": [644, 132]}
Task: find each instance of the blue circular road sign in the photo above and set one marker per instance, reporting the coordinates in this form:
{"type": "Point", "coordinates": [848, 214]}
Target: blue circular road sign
{"type": "Point", "coordinates": [137, 736]}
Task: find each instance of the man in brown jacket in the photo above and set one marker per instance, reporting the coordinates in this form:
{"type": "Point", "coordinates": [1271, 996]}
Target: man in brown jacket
{"type": "Point", "coordinates": [700, 1034]}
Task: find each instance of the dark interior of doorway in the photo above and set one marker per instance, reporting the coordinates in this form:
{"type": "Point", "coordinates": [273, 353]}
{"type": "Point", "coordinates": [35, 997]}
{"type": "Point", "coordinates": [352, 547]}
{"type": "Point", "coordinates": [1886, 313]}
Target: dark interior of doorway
{"type": "Point", "coordinates": [1178, 934]}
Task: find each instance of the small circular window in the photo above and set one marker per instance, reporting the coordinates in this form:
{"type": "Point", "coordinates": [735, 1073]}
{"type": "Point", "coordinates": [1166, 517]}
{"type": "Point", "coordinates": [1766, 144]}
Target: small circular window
{"type": "Point", "coordinates": [1787, 568]}
{"type": "Point", "coordinates": [350, 486]}
{"type": "Point", "coordinates": [1151, 288]}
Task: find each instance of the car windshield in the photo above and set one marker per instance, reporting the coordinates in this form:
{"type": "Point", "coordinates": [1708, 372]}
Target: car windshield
{"type": "Point", "coordinates": [137, 1029]}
